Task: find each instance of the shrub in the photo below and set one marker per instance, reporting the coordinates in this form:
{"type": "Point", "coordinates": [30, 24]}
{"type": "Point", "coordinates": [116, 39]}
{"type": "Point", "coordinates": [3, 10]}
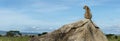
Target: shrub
{"type": "Point", "coordinates": [0, 35]}
{"type": "Point", "coordinates": [44, 33]}
{"type": "Point", "coordinates": [39, 34]}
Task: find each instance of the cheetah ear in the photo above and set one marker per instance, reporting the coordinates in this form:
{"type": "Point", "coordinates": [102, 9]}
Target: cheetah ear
{"type": "Point", "coordinates": [85, 7]}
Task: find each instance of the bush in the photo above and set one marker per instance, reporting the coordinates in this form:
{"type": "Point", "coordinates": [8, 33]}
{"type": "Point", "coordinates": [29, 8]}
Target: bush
{"type": "Point", "coordinates": [0, 35]}
{"type": "Point", "coordinates": [110, 35]}
{"type": "Point", "coordinates": [116, 37]}
{"type": "Point", "coordinates": [39, 34]}
{"type": "Point", "coordinates": [44, 33]}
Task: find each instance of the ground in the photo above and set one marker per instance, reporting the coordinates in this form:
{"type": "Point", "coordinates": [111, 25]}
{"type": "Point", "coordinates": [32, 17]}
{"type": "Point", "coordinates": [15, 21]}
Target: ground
{"type": "Point", "coordinates": [14, 38]}
{"type": "Point", "coordinates": [114, 39]}
{"type": "Point", "coordinates": [27, 38]}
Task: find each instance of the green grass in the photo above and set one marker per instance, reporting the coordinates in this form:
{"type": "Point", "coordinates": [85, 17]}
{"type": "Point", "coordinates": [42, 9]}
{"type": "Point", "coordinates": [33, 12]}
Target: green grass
{"type": "Point", "coordinates": [114, 39]}
{"type": "Point", "coordinates": [14, 38]}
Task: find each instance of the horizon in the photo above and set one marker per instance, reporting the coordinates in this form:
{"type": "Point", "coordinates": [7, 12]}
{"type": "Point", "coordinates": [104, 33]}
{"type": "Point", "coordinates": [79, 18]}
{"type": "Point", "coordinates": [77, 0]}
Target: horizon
{"type": "Point", "coordinates": [49, 15]}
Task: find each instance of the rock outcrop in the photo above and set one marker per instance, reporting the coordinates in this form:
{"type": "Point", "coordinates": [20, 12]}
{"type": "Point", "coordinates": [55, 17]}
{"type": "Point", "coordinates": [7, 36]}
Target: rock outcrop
{"type": "Point", "coordinates": [83, 30]}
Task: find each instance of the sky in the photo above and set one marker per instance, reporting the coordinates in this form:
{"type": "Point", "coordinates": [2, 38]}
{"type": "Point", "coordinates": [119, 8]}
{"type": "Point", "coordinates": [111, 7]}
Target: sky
{"type": "Point", "coordinates": [49, 15]}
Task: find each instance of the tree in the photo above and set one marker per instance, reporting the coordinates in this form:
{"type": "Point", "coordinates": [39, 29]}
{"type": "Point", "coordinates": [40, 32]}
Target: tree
{"type": "Point", "coordinates": [39, 34]}
{"type": "Point", "coordinates": [0, 35]}
{"type": "Point", "coordinates": [10, 34]}
{"type": "Point", "coordinates": [116, 37]}
{"type": "Point", "coordinates": [44, 33]}
{"type": "Point", "coordinates": [13, 33]}
{"type": "Point", "coordinates": [110, 35]}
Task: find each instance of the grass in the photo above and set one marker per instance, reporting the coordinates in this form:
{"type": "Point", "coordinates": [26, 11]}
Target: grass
{"type": "Point", "coordinates": [14, 38]}
{"type": "Point", "coordinates": [113, 38]}
{"type": "Point", "coordinates": [27, 38]}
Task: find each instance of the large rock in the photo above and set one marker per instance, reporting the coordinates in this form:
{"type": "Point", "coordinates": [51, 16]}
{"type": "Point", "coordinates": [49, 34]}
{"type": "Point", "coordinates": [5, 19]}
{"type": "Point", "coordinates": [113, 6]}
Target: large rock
{"type": "Point", "coordinates": [83, 30]}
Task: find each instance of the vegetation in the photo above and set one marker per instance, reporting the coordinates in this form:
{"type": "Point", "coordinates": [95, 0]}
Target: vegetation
{"type": "Point", "coordinates": [111, 37]}
{"type": "Point", "coordinates": [11, 36]}
{"type": "Point", "coordinates": [0, 35]}
{"type": "Point", "coordinates": [26, 38]}
{"type": "Point", "coordinates": [42, 33]}
{"type": "Point", "coordinates": [14, 38]}
{"type": "Point", "coordinates": [13, 33]}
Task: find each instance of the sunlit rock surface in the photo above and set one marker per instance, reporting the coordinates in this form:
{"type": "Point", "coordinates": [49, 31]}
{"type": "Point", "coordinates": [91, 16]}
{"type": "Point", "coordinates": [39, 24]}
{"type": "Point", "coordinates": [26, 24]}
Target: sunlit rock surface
{"type": "Point", "coordinates": [83, 30]}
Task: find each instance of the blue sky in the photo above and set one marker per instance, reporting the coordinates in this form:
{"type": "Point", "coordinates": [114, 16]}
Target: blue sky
{"type": "Point", "coordinates": [49, 15]}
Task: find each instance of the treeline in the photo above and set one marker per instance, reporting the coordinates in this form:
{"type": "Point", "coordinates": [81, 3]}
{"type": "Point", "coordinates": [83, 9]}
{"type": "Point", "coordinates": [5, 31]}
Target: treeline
{"type": "Point", "coordinates": [19, 34]}
{"type": "Point", "coordinates": [113, 37]}
{"type": "Point", "coordinates": [12, 33]}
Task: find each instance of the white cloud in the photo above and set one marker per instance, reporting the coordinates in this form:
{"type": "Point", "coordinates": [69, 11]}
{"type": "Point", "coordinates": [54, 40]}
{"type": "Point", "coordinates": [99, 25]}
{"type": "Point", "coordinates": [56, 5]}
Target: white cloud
{"type": "Point", "coordinates": [52, 9]}
{"type": "Point", "coordinates": [114, 29]}
{"type": "Point", "coordinates": [43, 7]}
{"type": "Point", "coordinates": [16, 20]}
